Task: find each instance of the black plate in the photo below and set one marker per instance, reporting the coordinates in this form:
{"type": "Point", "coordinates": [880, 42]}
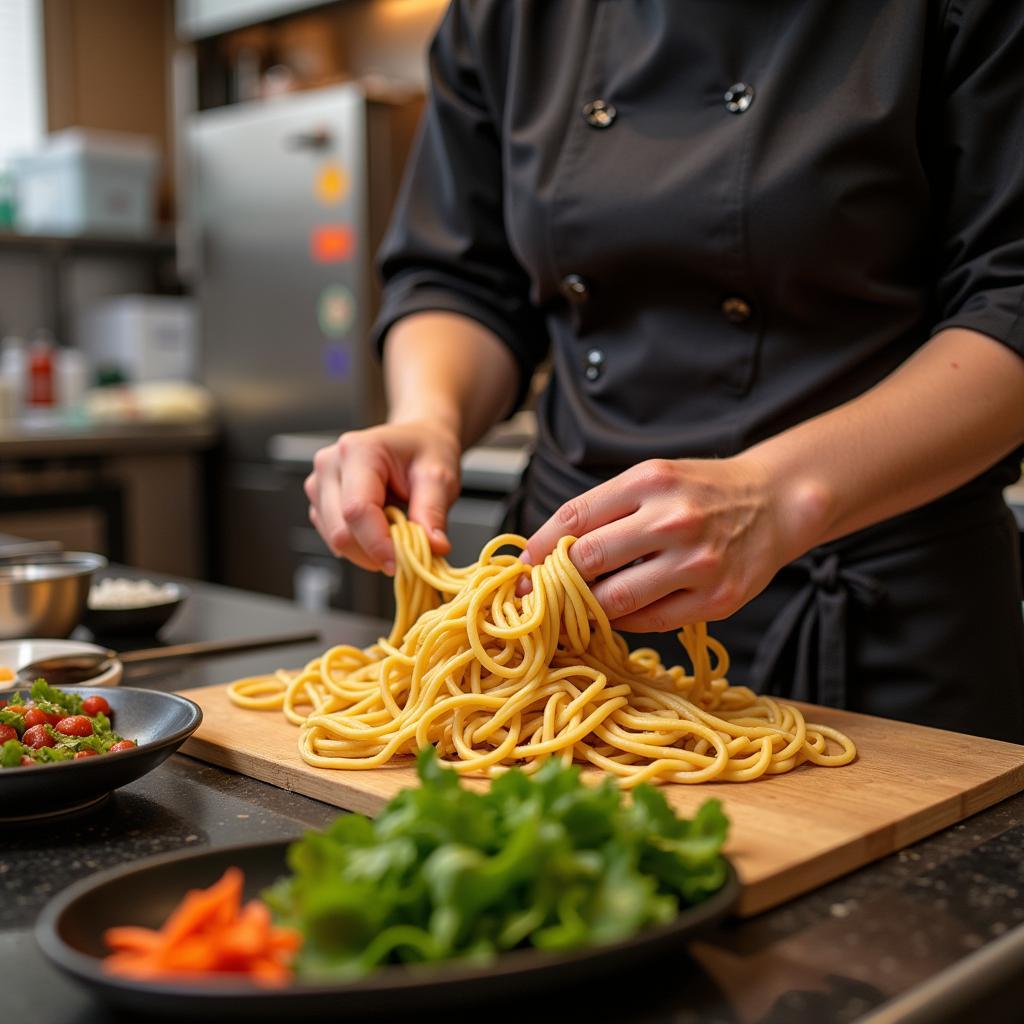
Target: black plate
{"type": "Point", "coordinates": [158, 722]}
{"type": "Point", "coordinates": [70, 933]}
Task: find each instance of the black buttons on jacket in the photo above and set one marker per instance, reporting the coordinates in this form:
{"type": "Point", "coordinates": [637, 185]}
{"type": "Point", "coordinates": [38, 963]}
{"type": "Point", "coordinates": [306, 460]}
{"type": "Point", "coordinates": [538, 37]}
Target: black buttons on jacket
{"type": "Point", "coordinates": [599, 114]}
{"type": "Point", "coordinates": [595, 364]}
{"type": "Point", "coordinates": [575, 289]}
{"type": "Point", "coordinates": [736, 310]}
{"type": "Point", "coordinates": [738, 97]}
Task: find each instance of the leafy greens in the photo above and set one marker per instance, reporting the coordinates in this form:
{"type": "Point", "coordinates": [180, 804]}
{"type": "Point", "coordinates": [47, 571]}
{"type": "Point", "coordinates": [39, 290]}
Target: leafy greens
{"type": "Point", "coordinates": [448, 873]}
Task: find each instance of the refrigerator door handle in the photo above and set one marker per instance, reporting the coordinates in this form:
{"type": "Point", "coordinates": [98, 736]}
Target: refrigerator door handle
{"type": "Point", "coordinates": [316, 139]}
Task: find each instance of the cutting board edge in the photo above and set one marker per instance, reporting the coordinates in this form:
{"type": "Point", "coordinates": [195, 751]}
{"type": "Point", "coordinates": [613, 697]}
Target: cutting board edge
{"type": "Point", "coordinates": [842, 859]}
{"type": "Point", "coordinates": [305, 784]}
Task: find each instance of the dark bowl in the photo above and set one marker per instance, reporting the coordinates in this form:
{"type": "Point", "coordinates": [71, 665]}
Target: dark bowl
{"type": "Point", "coordinates": [158, 722]}
{"type": "Point", "coordinates": [147, 620]}
{"type": "Point", "coordinates": [70, 933]}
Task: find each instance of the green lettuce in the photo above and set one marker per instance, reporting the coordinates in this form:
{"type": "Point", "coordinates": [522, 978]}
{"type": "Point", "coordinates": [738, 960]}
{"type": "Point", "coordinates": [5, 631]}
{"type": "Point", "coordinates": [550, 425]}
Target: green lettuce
{"type": "Point", "coordinates": [447, 873]}
{"type": "Point", "coordinates": [43, 693]}
{"type": "Point", "coordinates": [10, 754]}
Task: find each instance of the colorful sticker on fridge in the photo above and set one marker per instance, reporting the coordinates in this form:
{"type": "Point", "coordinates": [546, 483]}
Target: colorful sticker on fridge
{"type": "Point", "coordinates": [332, 184]}
{"type": "Point", "coordinates": [332, 243]}
{"type": "Point", "coordinates": [336, 311]}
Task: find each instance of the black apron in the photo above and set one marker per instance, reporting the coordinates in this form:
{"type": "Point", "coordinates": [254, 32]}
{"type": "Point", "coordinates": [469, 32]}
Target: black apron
{"type": "Point", "coordinates": [918, 618]}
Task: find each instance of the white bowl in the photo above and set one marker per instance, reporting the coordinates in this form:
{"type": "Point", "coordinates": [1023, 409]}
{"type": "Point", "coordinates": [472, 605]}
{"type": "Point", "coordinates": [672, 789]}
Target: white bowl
{"type": "Point", "coordinates": [16, 653]}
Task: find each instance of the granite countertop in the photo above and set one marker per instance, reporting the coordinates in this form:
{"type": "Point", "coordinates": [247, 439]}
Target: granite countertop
{"type": "Point", "coordinates": [922, 935]}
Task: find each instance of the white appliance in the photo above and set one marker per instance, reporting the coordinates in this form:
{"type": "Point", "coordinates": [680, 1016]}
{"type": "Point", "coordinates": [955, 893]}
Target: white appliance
{"type": "Point", "coordinates": [144, 337]}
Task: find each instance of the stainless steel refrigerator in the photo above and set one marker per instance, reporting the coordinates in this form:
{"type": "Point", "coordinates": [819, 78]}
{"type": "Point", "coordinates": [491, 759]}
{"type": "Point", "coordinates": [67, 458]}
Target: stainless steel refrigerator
{"type": "Point", "coordinates": [288, 199]}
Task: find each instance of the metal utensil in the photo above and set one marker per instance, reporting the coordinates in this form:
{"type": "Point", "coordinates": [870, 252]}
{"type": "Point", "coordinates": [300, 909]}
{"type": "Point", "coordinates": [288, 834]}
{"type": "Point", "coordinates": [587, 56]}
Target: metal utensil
{"type": "Point", "coordinates": [68, 669]}
{"type": "Point", "coordinates": [44, 595]}
{"type": "Point", "coordinates": [24, 550]}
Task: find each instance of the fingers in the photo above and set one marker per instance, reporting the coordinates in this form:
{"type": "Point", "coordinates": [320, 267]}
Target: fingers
{"type": "Point", "coordinates": [362, 496]}
{"type": "Point", "coordinates": [597, 507]}
{"type": "Point", "coordinates": [669, 613]}
{"type": "Point", "coordinates": [707, 603]}
{"type": "Point", "coordinates": [611, 547]}
{"type": "Point", "coordinates": [433, 486]}
{"type": "Point", "coordinates": [638, 586]}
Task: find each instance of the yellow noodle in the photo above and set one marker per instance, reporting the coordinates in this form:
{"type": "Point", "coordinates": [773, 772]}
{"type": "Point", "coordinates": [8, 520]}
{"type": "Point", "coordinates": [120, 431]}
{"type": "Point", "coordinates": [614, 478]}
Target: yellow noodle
{"type": "Point", "coordinates": [494, 680]}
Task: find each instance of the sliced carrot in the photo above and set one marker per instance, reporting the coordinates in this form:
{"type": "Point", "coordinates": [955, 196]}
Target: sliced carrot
{"type": "Point", "coordinates": [209, 932]}
{"type": "Point", "coordinates": [217, 904]}
{"type": "Point", "coordinates": [130, 938]}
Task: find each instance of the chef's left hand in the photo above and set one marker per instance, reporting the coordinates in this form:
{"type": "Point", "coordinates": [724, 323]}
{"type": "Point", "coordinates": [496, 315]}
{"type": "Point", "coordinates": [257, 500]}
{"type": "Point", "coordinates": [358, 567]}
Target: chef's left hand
{"type": "Point", "coordinates": [685, 540]}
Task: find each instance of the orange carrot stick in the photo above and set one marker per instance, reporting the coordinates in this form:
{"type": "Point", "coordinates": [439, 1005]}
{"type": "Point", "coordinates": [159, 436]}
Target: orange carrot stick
{"type": "Point", "coordinates": [209, 932]}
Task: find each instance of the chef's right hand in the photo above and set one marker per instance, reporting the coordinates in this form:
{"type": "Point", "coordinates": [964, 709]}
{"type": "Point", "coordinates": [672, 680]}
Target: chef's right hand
{"type": "Point", "coordinates": [416, 462]}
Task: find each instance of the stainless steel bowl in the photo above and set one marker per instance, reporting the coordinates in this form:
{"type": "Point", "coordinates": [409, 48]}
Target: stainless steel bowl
{"type": "Point", "coordinates": [45, 596]}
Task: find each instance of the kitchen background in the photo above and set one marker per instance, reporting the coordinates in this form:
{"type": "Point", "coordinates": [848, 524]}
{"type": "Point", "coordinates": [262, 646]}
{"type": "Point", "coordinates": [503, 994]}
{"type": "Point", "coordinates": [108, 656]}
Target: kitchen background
{"type": "Point", "coordinates": [191, 194]}
{"type": "Point", "coordinates": [190, 199]}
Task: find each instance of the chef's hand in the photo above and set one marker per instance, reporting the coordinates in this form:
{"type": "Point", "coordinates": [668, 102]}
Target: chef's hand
{"type": "Point", "coordinates": [353, 479]}
{"type": "Point", "coordinates": [684, 541]}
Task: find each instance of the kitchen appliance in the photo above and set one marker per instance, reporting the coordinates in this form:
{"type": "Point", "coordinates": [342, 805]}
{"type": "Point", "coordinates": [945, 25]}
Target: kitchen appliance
{"type": "Point", "coordinates": [288, 201]}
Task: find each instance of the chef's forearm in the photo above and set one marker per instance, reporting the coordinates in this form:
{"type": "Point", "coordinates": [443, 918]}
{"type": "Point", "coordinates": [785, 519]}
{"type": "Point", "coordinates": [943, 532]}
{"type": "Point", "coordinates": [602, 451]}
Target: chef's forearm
{"type": "Point", "coordinates": [950, 411]}
{"type": "Point", "coordinates": [450, 370]}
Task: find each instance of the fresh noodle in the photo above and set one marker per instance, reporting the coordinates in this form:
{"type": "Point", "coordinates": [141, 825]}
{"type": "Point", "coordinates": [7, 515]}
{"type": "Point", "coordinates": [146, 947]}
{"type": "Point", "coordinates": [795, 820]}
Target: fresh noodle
{"type": "Point", "coordinates": [494, 680]}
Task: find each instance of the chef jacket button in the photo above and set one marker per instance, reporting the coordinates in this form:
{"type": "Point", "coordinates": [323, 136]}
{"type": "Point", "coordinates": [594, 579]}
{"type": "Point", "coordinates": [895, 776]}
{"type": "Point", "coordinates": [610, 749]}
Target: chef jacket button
{"type": "Point", "coordinates": [574, 288]}
{"type": "Point", "coordinates": [595, 362]}
{"type": "Point", "coordinates": [599, 114]}
{"type": "Point", "coordinates": [736, 310]}
{"type": "Point", "coordinates": [738, 97]}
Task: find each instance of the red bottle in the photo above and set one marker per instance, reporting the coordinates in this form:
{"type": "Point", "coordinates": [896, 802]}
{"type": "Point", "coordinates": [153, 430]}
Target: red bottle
{"type": "Point", "coordinates": [40, 373]}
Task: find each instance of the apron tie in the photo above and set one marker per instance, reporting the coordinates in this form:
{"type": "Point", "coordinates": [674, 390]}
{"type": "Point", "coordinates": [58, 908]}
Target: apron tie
{"type": "Point", "coordinates": [818, 608]}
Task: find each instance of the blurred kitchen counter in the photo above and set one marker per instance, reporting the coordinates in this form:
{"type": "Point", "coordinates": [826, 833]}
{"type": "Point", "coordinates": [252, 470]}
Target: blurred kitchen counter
{"type": "Point", "coordinates": [63, 440]}
{"type": "Point", "coordinates": [133, 492]}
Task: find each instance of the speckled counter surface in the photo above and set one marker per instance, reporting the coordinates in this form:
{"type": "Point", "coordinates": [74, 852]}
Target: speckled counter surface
{"type": "Point", "coordinates": [935, 932]}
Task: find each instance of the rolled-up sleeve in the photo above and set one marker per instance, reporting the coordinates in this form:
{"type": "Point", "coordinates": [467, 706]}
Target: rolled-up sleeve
{"type": "Point", "coordinates": [980, 279]}
{"type": "Point", "coordinates": [446, 247]}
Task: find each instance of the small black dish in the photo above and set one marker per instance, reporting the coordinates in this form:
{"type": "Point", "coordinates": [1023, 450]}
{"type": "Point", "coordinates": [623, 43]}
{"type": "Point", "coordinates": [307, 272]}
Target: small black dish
{"type": "Point", "coordinates": [158, 722]}
{"type": "Point", "coordinates": [70, 933]}
{"type": "Point", "coordinates": [146, 620]}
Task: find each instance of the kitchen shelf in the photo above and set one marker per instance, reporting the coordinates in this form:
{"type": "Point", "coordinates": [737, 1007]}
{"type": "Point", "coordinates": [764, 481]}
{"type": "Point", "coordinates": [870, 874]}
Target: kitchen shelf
{"type": "Point", "coordinates": [159, 244]}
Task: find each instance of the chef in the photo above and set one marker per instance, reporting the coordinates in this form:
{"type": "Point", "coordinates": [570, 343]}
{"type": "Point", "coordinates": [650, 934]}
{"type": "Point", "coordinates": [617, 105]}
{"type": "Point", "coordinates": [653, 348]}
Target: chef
{"type": "Point", "coordinates": [775, 253]}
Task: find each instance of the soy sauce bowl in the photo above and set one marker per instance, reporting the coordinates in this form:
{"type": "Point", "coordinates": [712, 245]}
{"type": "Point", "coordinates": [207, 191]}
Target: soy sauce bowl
{"type": "Point", "coordinates": [158, 722]}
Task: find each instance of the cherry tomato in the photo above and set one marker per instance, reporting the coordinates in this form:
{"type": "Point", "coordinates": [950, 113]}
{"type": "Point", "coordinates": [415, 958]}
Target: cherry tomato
{"type": "Point", "coordinates": [37, 737]}
{"type": "Point", "coordinates": [74, 725]}
{"type": "Point", "coordinates": [85, 753]}
{"type": "Point", "coordinates": [26, 760]}
{"type": "Point", "coordinates": [122, 745]}
{"type": "Point", "coordinates": [7, 732]}
{"type": "Point", "coordinates": [35, 717]}
{"type": "Point", "coordinates": [96, 705]}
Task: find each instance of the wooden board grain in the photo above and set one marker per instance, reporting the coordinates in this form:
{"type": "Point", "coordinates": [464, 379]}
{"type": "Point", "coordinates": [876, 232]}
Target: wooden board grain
{"type": "Point", "coordinates": [790, 833]}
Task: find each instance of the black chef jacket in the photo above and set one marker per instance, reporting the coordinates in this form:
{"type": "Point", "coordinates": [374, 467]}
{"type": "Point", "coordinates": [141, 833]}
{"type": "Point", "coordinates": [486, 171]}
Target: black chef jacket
{"type": "Point", "coordinates": [722, 217]}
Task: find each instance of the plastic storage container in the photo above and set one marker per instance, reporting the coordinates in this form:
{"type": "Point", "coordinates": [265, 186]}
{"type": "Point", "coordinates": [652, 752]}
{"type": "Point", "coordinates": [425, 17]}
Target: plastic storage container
{"type": "Point", "coordinates": [88, 182]}
{"type": "Point", "coordinates": [144, 337]}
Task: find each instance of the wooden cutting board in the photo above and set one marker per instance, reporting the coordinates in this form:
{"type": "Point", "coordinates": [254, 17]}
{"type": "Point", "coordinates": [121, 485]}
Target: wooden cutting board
{"type": "Point", "coordinates": [790, 833]}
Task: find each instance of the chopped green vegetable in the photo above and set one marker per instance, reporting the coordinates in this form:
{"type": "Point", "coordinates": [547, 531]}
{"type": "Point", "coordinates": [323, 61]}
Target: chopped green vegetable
{"type": "Point", "coordinates": [448, 873]}
{"type": "Point", "coordinates": [43, 693]}
{"type": "Point", "coordinates": [53, 701]}
{"type": "Point", "coordinates": [10, 754]}
{"type": "Point", "coordinates": [12, 718]}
